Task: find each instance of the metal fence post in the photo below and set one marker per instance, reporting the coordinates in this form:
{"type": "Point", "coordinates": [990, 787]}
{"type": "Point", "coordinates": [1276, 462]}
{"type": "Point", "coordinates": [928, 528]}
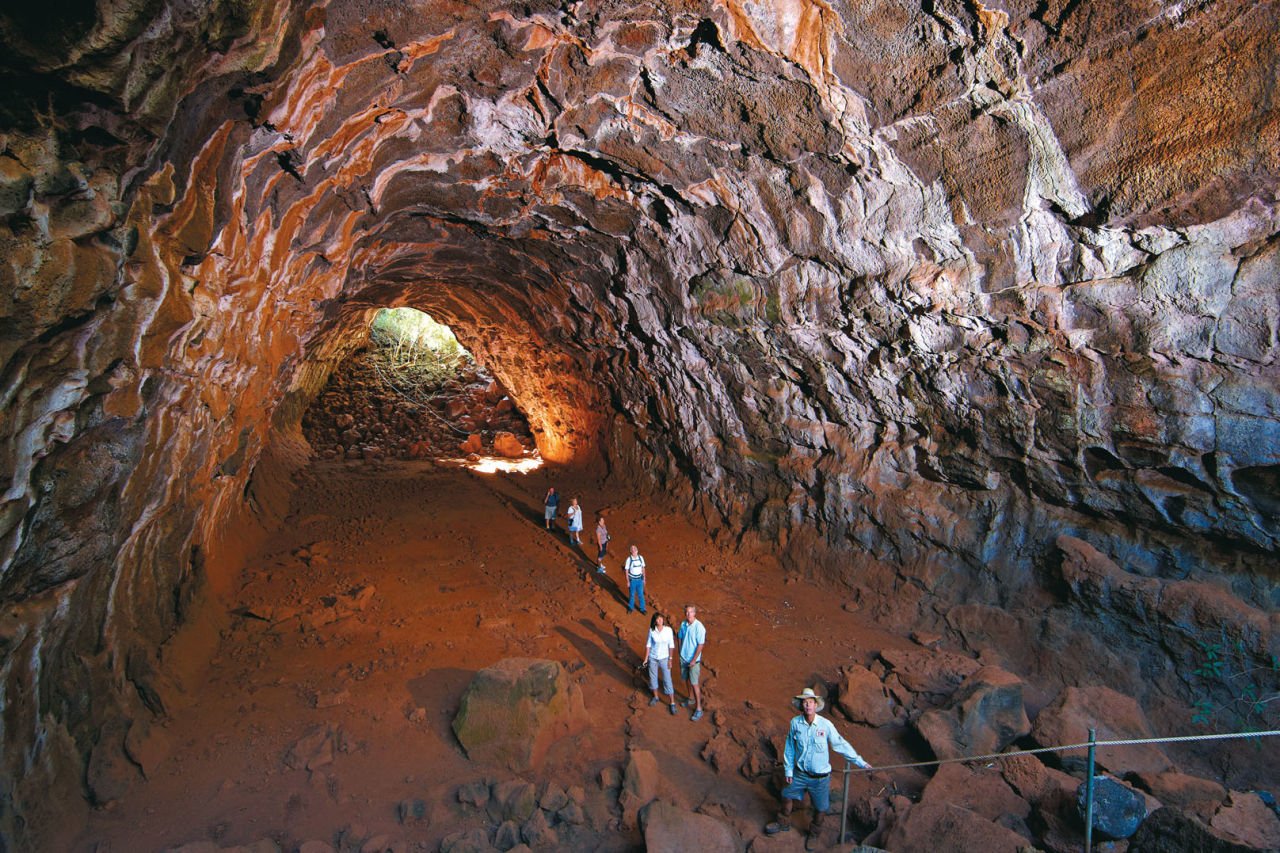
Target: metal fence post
{"type": "Point", "coordinates": [1088, 796]}
{"type": "Point", "coordinates": [844, 810]}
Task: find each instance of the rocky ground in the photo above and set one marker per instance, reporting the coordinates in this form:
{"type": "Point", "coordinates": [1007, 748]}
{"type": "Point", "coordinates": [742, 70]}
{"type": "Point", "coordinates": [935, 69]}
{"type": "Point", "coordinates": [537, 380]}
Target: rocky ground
{"type": "Point", "coordinates": [360, 415]}
{"type": "Point", "coordinates": [319, 718]}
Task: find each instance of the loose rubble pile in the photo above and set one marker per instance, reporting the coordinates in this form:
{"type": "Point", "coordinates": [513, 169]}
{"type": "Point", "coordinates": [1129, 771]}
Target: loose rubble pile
{"type": "Point", "coordinates": [360, 415]}
{"type": "Point", "coordinates": [959, 707]}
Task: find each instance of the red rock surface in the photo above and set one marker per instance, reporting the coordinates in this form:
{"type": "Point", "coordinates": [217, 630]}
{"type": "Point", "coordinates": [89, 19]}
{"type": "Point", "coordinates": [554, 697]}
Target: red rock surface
{"type": "Point", "coordinates": [907, 291]}
{"type": "Point", "coordinates": [1114, 717]}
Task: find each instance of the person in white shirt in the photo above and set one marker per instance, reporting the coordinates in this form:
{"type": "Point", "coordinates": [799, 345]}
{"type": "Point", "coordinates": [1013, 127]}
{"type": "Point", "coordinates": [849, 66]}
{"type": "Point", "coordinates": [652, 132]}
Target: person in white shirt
{"type": "Point", "coordinates": [634, 571]}
{"type": "Point", "coordinates": [657, 656]}
{"type": "Point", "coordinates": [574, 514]}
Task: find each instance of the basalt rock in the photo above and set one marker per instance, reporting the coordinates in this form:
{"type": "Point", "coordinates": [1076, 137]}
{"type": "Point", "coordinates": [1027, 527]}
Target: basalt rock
{"type": "Point", "coordinates": [927, 285]}
{"type": "Point", "coordinates": [640, 784]}
{"type": "Point", "coordinates": [941, 826]}
{"type": "Point", "coordinates": [1113, 717]}
{"type": "Point", "coordinates": [985, 715]}
{"type": "Point", "coordinates": [514, 710]}
{"type": "Point", "coordinates": [1171, 830]}
{"type": "Point", "coordinates": [863, 698]}
{"type": "Point", "coordinates": [1246, 818]}
{"type": "Point", "coordinates": [669, 828]}
{"type": "Point", "coordinates": [983, 792]}
{"type": "Point", "coordinates": [1118, 810]}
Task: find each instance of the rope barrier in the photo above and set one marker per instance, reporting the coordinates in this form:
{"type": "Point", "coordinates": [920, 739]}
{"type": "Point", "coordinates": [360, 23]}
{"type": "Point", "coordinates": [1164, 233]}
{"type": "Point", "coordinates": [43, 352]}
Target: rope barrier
{"type": "Point", "coordinates": [1066, 747]}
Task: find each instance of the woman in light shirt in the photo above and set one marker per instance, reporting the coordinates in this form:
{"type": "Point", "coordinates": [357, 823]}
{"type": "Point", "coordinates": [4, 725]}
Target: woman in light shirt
{"type": "Point", "coordinates": [657, 655]}
{"type": "Point", "coordinates": [574, 514]}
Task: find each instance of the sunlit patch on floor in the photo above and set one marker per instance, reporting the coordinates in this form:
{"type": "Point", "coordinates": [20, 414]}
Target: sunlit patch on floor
{"type": "Point", "coordinates": [494, 464]}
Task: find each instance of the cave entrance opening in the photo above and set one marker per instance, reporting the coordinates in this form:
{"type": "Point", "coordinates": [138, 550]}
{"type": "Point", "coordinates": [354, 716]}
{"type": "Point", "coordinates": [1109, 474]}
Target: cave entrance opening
{"type": "Point", "coordinates": [412, 391]}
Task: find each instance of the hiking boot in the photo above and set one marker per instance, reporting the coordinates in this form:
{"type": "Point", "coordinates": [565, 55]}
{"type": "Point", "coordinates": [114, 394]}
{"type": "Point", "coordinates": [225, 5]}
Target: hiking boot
{"type": "Point", "coordinates": [653, 701]}
{"type": "Point", "coordinates": [673, 709]}
{"type": "Point", "coordinates": [697, 715]}
{"type": "Point", "coordinates": [813, 839]}
{"type": "Point", "coordinates": [782, 824]}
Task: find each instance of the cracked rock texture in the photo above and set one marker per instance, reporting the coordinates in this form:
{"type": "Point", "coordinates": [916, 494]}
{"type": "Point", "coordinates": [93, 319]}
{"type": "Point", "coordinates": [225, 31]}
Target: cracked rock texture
{"type": "Point", "coordinates": [911, 289]}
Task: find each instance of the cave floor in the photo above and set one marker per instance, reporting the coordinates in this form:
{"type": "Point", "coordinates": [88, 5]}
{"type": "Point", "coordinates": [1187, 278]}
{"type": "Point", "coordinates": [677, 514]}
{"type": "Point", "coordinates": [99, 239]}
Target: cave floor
{"type": "Point", "coordinates": [464, 575]}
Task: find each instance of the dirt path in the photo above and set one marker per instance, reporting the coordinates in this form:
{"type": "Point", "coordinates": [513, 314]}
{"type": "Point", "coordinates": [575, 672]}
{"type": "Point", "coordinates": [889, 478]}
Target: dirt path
{"type": "Point", "coordinates": [462, 575]}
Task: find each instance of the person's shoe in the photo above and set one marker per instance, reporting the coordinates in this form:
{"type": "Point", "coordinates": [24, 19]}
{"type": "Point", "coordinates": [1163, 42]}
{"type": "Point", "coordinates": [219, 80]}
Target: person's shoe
{"type": "Point", "coordinates": [686, 703]}
{"type": "Point", "coordinates": [697, 715]}
{"type": "Point", "coordinates": [777, 826]}
{"type": "Point", "coordinates": [644, 611]}
{"type": "Point", "coordinates": [628, 609]}
{"type": "Point", "coordinates": [673, 709]}
{"type": "Point", "coordinates": [653, 700]}
{"type": "Point", "coordinates": [813, 837]}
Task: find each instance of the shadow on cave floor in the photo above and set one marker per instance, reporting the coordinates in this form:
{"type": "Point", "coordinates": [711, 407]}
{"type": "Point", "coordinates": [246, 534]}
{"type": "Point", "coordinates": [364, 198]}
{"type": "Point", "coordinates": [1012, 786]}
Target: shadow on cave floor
{"type": "Point", "coordinates": [363, 618]}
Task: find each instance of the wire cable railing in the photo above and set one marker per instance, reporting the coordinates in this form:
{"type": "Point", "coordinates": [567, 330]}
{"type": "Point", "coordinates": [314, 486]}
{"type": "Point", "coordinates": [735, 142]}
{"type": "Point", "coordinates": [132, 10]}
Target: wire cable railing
{"type": "Point", "coordinates": [1091, 744]}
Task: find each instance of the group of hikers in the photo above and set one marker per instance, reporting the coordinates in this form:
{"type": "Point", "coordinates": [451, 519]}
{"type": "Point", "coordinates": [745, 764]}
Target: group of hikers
{"type": "Point", "coordinates": [806, 760]}
{"type": "Point", "coordinates": [663, 641]}
{"type": "Point", "coordinates": [633, 567]}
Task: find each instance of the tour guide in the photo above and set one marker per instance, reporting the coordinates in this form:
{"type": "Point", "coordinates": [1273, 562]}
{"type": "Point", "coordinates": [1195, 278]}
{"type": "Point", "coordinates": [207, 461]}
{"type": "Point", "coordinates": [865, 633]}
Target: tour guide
{"type": "Point", "coordinates": [807, 765]}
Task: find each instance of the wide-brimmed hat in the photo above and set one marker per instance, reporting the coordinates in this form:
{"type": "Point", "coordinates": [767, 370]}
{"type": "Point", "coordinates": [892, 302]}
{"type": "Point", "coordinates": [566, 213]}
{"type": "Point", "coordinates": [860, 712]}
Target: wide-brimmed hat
{"type": "Point", "coordinates": [808, 693]}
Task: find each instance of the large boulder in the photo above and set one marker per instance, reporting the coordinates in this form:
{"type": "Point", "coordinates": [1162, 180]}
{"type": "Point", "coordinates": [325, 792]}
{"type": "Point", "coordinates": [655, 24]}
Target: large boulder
{"type": "Point", "coordinates": [1247, 819]}
{"type": "Point", "coordinates": [929, 673]}
{"type": "Point", "coordinates": [1172, 830]}
{"type": "Point", "coordinates": [1118, 810]}
{"type": "Point", "coordinates": [474, 840]}
{"type": "Point", "coordinates": [512, 800]}
{"type": "Point", "coordinates": [670, 829]}
{"type": "Point", "coordinates": [1197, 795]}
{"type": "Point", "coordinates": [863, 699]}
{"type": "Point", "coordinates": [639, 784]}
{"type": "Point", "coordinates": [944, 828]}
{"type": "Point", "coordinates": [1114, 716]}
{"type": "Point", "coordinates": [982, 792]}
{"type": "Point", "coordinates": [506, 444]}
{"type": "Point", "coordinates": [986, 714]}
{"type": "Point", "coordinates": [514, 710]}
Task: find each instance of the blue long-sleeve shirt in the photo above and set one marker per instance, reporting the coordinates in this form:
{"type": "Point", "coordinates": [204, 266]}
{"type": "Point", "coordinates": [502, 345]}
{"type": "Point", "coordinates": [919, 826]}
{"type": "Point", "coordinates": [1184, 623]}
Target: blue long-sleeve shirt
{"type": "Point", "coordinates": [807, 747]}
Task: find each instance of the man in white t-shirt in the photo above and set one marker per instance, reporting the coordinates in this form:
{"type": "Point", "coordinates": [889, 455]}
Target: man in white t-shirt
{"type": "Point", "coordinates": [634, 570]}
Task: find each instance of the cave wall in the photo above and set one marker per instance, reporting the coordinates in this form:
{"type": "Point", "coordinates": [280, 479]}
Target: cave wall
{"type": "Point", "coordinates": [925, 285]}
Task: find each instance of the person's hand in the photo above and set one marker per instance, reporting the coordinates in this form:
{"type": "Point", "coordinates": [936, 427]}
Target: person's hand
{"type": "Point", "coordinates": [788, 778]}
